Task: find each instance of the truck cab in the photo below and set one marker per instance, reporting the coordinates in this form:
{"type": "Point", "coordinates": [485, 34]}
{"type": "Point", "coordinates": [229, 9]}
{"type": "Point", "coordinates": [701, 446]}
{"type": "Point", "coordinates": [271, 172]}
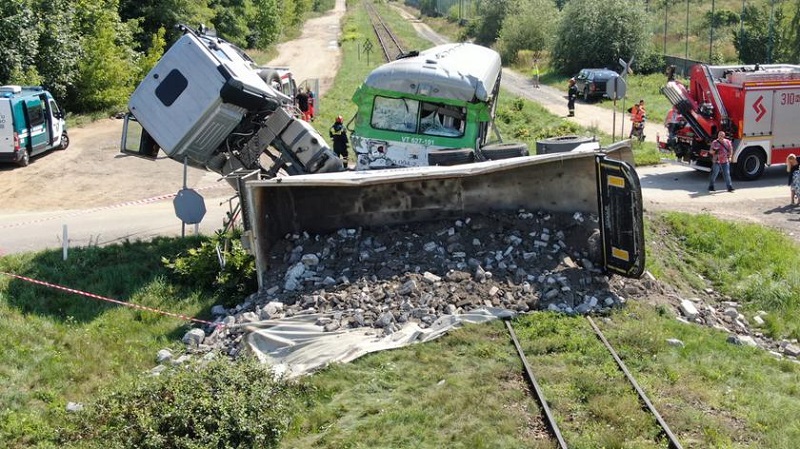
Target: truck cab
{"type": "Point", "coordinates": [31, 123]}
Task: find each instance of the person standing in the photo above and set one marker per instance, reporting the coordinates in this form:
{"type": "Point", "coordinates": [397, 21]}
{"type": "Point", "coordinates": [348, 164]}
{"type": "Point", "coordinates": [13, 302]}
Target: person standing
{"type": "Point", "coordinates": [536, 74]}
{"type": "Point", "coordinates": [572, 94]}
{"type": "Point", "coordinates": [340, 142]}
{"type": "Point", "coordinates": [637, 120]}
{"type": "Point", "coordinates": [793, 167]}
{"type": "Point", "coordinates": [310, 103]}
{"type": "Point", "coordinates": [302, 103]}
{"type": "Point", "coordinates": [721, 154]}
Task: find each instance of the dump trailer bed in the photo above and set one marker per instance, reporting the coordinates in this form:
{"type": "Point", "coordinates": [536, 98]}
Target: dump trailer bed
{"type": "Point", "coordinates": [604, 184]}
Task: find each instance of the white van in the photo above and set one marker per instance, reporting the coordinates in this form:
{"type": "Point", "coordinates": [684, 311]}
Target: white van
{"type": "Point", "coordinates": [30, 123]}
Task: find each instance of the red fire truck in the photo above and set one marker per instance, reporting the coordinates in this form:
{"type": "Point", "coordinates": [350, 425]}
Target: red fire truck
{"type": "Point", "coordinates": [758, 107]}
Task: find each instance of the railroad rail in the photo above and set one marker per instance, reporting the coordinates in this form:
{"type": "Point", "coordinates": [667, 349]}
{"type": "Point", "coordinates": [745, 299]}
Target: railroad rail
{"type": "Point", "coordinates": [390, 44]}
{"type": "Point", "coordinates": [550, 419]}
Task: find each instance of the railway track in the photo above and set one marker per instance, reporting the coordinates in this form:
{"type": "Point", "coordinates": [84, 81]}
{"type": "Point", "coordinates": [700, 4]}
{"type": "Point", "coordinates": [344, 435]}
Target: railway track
{"type": "Point", "coordinates": [391, 47]}
{"type": "Point", "coordinates": [539, 396]}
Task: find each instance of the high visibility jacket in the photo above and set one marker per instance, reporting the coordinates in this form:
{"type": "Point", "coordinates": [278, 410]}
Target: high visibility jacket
{"type": "Point", "coordinates": [637, 115]}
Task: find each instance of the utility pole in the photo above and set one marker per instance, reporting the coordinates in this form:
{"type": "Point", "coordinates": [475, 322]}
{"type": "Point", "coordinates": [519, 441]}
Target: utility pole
{"type": "Point", "coordinates": [711, 35]}
{"type": "Point", "coordinates": [686, 50]}
{"type": "Point", "coordinates": [771, 31]}
{"type": "Point", "coordinates": [666, 14]}
{"type": "Point", "coordinates": [741, 31]}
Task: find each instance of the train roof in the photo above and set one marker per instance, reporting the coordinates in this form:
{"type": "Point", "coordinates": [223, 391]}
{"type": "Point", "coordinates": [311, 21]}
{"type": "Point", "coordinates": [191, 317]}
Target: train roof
{"type": "Point", "coordinates": [460, 71]}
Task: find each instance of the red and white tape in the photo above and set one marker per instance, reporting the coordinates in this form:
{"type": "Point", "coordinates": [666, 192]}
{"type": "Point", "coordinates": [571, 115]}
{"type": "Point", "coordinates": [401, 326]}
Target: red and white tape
{"type": "Point", "coordinates": [115, 301]}
{"type": "Point", "coordinates": [97, 209]}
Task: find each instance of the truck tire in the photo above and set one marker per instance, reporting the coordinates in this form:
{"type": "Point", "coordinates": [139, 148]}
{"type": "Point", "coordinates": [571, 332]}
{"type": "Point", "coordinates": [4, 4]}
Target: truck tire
{"type": "Point", "coordinates": [25, 160]}
{"type": "Point", "coordinates": [497, 151]}
{"type": "Point", "coordinates": [64, 141]}
{"type": "Point", "coordinates": [269, 77]}
{"type": "Point", "coordinates": [454, 156]}
{"type": "Point", "coordinates": [560, 144]}
{"type": "Point", "coordinates": [750, 164]}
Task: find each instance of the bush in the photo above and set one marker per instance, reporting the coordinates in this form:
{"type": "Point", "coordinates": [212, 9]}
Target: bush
{"type": "Point", "coordinates": [219, 263]}
{"type": "Point", "coordinates": [221, 405]}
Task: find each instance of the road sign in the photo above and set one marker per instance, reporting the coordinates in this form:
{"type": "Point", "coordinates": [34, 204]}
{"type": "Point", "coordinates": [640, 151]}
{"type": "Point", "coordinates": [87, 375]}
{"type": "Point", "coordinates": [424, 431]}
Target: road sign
{"type": "Point", "coordinates": [189, 206]}
{"type": "Point", "coordinates": [626, 67]}
{"type": "Point", "coordinates": [616, 88]}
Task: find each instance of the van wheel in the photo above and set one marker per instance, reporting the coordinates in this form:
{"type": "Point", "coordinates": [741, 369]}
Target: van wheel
{"type": "Point", "coordinates": [64, 141]}
{"type": "Point", "coordinates": [451, 157]}
{"type": "Point", "coordinates": [26, 159]}
{"type": "Point", "coordinates": [497, 151]}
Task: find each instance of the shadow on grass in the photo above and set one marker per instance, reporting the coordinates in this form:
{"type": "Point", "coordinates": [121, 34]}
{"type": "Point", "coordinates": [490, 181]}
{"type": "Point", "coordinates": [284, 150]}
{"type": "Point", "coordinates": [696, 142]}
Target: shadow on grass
{"type": "Point", "coordinates": [116, 271]}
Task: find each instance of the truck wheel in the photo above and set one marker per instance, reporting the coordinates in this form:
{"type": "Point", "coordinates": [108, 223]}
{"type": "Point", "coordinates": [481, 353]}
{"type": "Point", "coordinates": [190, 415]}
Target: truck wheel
{"type": "Point", "coordinates": [269, 77]}
{"type": "Point", "coordinates": [64, 141]}
{"type": "Point", "coordinates": [751, 164]}
{"type": "Point", "coordinates": [26, 159]}
{"type": "Point", "coordinates": [497, 151]}
{"type": "Point", "coordinates": [560, 144]}
{"type": "Point", "coordinates": [451, 157]}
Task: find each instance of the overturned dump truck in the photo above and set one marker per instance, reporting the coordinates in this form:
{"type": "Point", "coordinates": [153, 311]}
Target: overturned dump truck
{"type": "Point", "coordinates": [205, 105]}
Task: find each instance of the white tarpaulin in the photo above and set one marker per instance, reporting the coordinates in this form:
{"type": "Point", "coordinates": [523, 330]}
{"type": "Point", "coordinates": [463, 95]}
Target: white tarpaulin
{"type": "Point", "coordinates": [296, 346]}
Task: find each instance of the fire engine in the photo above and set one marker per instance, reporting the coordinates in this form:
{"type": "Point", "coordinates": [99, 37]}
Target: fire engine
{"type": "Point", "coordinates": [758, 107]}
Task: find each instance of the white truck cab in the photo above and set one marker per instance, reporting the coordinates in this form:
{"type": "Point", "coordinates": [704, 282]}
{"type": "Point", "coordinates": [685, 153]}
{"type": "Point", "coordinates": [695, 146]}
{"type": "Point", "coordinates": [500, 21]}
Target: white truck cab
{"type": "Point", "coordinates": [30, 123]}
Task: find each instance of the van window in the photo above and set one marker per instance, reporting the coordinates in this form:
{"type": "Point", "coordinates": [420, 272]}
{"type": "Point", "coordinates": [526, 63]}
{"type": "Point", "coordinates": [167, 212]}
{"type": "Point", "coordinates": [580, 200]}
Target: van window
{"type": "Point", "coordinates": [35, 114]}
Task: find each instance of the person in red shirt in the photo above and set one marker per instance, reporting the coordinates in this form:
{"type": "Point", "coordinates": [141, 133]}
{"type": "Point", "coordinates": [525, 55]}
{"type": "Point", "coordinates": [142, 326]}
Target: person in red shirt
{"type": "Point", "coordinates": [721, 155]}
{"type": "Point", "coordinates": [637, 120]}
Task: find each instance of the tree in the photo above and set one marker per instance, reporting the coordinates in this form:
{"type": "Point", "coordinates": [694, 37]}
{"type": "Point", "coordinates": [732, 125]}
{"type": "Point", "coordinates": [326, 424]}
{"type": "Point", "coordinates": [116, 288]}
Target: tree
{"type": "Point", "coordinates": [231, 20]}
{"type": "Point", "coordinates": [791, 35]}
{"type": "Point", "coordinates": [151, 15]}
{"type": "Point", "coordinates": [529, 25]}
{"type": "Point", "coordinates": [759, 41]}
{"type": "Point", "coordinates": [59, 46]}
{"type": "Point", "coordinates": [487, 30]}
{"type": "Point", "coordinates": [598, 34]}
{"type": "Point", "coordinates": [19, 42]}
{"type": "Point", "coordinates": [108, 68]}
{"type": "Point", "coordinates": [266, 25]}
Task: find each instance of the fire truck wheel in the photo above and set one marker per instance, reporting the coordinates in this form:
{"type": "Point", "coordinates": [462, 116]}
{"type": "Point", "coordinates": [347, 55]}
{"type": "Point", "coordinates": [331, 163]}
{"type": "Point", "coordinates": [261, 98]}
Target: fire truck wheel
{"type": "Point", "coordinates": [751, 164]}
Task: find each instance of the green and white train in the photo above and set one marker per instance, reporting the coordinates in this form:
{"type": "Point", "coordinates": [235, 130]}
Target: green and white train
{"type": "Point", "coordinates": [434, 107]}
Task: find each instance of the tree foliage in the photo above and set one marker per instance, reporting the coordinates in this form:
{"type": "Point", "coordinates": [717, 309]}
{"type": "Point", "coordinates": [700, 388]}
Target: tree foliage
{"type": "Point", "coordinates": [791, 35]}
{"type": "Point", "coordinates": [529, 25]}
{"type": "Point", "coordinates": [759, 40]}
{"type": "Point", "coordinates": [486, 30]}
{"type": "Point", "coordinates": [598, 34]}
{"type": "Point", "coordinates": [19, 37]}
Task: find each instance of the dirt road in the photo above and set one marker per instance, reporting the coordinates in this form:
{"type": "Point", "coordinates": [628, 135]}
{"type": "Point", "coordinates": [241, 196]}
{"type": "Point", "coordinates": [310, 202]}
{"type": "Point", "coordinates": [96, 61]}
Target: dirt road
{"type": "Point", "coordinates": [89, 185]}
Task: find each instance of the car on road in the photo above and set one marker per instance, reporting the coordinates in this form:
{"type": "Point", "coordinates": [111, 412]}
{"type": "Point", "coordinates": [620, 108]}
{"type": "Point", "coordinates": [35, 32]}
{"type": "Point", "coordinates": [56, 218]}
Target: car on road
{"type": "Point", "coordinates": [591, 83]}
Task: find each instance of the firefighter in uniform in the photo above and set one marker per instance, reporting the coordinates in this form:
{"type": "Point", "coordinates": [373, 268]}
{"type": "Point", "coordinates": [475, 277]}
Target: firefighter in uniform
{"type": "Point", "coordinates": [339, 135]}
{"type": "Point", "coordinates": [572, 94]}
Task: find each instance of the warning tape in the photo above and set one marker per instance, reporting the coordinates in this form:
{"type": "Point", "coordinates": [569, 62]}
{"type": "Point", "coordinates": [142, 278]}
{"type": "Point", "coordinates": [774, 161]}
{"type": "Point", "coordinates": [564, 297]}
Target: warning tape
{"type": "Point", "coordinates": [97, 209]}
{"type": "Point", "coordinates": [115, 301]}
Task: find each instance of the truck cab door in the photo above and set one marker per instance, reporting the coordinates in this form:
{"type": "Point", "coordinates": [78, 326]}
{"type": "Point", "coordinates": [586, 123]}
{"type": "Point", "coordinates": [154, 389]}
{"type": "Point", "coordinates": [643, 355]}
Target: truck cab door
{"type": "Point", "coordinates": [136, 141]}
{"type": "Point", "coordinates": [620, 210]}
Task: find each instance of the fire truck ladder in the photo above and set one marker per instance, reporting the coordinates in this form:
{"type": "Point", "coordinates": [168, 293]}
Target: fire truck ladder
{"type": "Point", "coordinates": [676, 94]}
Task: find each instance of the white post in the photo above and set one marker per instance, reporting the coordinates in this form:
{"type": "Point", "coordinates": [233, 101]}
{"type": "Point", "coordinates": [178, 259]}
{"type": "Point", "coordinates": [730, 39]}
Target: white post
{"type": "Point", "coordinates": [64, 241]}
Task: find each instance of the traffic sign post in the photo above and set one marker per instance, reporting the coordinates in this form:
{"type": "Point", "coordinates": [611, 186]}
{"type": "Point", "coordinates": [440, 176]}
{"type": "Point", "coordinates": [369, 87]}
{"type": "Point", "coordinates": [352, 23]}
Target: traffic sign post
{"type": "Point", "coordinates": [626, 69]}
